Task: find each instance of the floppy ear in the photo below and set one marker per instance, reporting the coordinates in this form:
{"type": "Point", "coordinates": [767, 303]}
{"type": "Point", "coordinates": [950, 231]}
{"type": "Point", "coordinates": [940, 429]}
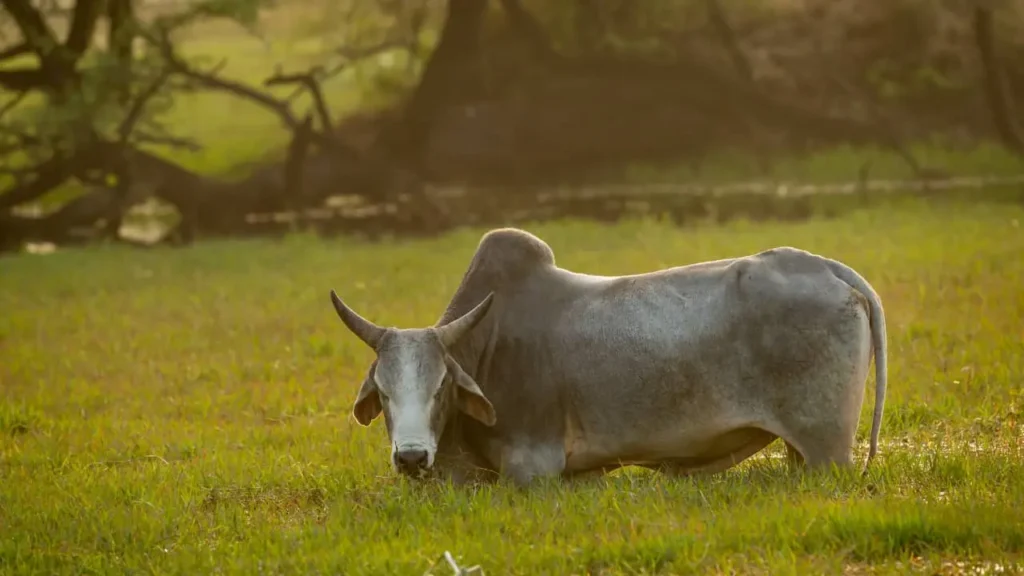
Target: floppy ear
{"type": "Point", "coordinates": [471, 399]}
{"type": "Point", "coordinates": [367, 405]}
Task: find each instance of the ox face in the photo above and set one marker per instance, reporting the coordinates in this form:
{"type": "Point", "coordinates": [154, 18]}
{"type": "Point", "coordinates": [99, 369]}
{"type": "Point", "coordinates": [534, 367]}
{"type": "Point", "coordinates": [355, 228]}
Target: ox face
{"type": "Point", "coordinates": [416, 384]}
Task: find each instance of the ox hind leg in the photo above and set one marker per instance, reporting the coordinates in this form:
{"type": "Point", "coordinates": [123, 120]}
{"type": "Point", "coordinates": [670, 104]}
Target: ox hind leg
{"type": "Point", "coordinates": [821, 439]}
{"type": "Point", "coordinates": [820, 447]}
{"type": "Point", "coordinates": [818, 414]}
{"type": "Point", "coordinates": [818, 440]}
{"type": "Point", "coordinates": [794, 458]}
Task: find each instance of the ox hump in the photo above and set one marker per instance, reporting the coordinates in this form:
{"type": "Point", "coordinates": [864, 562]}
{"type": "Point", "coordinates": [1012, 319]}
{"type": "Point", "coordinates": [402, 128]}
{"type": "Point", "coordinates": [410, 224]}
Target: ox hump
{"type": "Point", "coordinates": [511, 253]}
{"type": "Point", "coordinates": [504, 257]}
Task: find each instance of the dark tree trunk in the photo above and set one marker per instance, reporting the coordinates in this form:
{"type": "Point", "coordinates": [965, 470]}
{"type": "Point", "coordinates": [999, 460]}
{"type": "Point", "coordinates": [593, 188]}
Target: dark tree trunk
{"type": "Point", "coordinates": [119, 38]}
{"type": "Point", "coordinates": [56, 73]}
{"type": "Point", "coordinates": [451, 75]}
{"type": "Point", "coordinates": [589, 27]}
{"type": "Point", "coordinates": [83, 25]}
{"type": "Point", "coordinates": [295, 162]}
{"type": "Point", "coordinates": [530, 29]}
{"type": "Point", "coordinates": [717, 16]}
{"type": "Point", "coordinates": [996, 88]}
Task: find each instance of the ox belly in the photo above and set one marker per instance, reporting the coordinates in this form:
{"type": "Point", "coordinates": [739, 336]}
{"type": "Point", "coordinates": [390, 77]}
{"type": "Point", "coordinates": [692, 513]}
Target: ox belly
{"type": "Point", "coordinates": [712, 447]}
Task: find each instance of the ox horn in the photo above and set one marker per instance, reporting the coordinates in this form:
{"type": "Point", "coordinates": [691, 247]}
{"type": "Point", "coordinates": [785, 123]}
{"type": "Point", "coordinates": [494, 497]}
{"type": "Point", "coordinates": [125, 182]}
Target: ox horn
{"type": "Point", "coordinates": [367, 331]}
{"type": "Point", "coordinates": [451, 332]}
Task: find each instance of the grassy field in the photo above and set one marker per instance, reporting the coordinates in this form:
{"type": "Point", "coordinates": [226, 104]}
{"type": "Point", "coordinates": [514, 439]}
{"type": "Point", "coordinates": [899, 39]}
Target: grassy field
{"type": "Point", "coordinates": [188, 411]}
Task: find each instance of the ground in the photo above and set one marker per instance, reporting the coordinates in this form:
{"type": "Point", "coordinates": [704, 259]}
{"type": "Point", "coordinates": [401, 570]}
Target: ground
{"type": "Point", "coordinates": [188, 411]}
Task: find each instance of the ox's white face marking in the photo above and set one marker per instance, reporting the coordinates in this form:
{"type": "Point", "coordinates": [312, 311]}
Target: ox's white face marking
{"type": "Point", "coordinates": [409, 378]}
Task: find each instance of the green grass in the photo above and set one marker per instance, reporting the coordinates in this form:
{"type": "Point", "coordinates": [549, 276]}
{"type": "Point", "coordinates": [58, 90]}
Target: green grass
{"type": "Point", "coordinates": [187, 411]}
{"type": "Point", "coordinates": [837, 164]}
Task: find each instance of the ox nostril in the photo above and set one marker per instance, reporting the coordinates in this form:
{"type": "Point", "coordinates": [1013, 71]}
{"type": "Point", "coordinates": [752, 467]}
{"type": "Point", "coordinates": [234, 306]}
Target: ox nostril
{"type": "Point", "coordinates": [411, 459]}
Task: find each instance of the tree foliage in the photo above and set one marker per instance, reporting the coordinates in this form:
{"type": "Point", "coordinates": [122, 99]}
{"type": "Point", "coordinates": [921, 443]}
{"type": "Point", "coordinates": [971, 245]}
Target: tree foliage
{"type": "Point", "coordinates": [499, 92]}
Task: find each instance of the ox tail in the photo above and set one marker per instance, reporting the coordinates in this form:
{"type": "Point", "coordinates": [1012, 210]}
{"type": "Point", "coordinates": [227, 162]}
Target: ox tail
{"type": "Point", "coordinates": [879, 344]}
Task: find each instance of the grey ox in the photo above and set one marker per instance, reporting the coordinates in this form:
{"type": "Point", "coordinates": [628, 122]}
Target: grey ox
{"type": "Point", "coordinates": [536, 371]}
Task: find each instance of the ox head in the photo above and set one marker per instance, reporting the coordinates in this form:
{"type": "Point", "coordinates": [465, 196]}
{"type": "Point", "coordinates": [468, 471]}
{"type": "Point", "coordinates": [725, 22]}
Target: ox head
{"type": "Point", "coordinates": [416, 383]}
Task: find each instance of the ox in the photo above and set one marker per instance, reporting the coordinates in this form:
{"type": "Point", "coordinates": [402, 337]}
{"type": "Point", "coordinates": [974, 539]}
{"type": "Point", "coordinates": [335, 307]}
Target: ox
{"type": "Point", "coordinates": [537, 371]}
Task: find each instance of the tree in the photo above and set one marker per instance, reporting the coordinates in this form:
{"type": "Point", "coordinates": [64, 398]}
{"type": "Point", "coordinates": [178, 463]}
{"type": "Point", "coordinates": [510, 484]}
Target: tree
{"type": "Point", "coordinates": [95, 113]}
{"type": "Point", "coordinates": [513, 93]}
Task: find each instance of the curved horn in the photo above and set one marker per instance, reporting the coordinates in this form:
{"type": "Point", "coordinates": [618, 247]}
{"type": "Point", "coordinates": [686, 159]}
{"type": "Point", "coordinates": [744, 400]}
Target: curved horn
{"type": "Point", "coordinates": [452, 331]}
{"type": "Point", "coordinates": [367, 331]}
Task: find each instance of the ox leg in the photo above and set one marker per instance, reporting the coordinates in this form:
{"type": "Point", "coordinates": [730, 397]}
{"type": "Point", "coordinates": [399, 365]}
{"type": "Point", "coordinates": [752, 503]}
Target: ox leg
{"type": "Point", "coordinates": [524, 463]}
{"type": "Point", "coordinates": [465, 475]}
{"type": "Point", "coordinates": [820, 423]}
{"type": "Point", "coordinates": [794, 458]}
{"type": "Point", "coordinates": [455, 463]}
{"type": "Point", "coordinates": [821, 446]}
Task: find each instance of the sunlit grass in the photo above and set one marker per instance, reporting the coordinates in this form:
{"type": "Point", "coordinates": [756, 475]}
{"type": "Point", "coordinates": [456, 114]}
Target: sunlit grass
{"type": "Point", "coordinates": [838, 164]}
{"type": "Point", "coordinates": [187, 411]}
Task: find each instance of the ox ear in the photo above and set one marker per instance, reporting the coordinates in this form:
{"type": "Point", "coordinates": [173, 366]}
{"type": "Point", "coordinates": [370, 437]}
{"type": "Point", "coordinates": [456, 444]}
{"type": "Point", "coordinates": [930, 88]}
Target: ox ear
{"type": "Point", "coordinates": [471, 399]}
{"type": "Point", "coordinates": [367, 405]}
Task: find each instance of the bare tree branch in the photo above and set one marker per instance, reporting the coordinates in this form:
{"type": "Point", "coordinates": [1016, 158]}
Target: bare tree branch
{"type": "Point", "coordinates": [728, 37]}
{"type": "Point", "coordinates": [885, 123]}
{"type": "Point", "coordinates": [309, 83]}
{"type": "Point", "coordinates": [350, 56]}
{"type": "Point", "coordinates": [21, 140]}
{"type": "Point", "coordinates": [278, 106]}
{"type": "Point", "coordinates": [56, 72]}
{"type": "Point", "coordinates": [124, 130]}
{"type": "Point", "coordinates": [13, 103]}
{"type": "Point", "coordinates": [37, 33]}
{"type": "Point", "coordinates": [120, 34]}
{"type": "Point", "coordinates": [295, 160]}
{"type": "Point", "coordinates": [23, 79]}
{"type": "Point", "coordinates": [15, 51]}
{"type": "Point", "coordinates": [48, 175]}
{"type": "Point", "coordinates": [83, 25]}
{"type": "Point", "coordinates": [143, 137]}
{"type": "Point", "coordinates": [211, 80]}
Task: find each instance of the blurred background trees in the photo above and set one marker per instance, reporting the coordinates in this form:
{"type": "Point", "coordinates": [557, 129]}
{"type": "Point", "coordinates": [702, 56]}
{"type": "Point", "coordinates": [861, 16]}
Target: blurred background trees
{"type": "Point", "coordinates": [470, 108]}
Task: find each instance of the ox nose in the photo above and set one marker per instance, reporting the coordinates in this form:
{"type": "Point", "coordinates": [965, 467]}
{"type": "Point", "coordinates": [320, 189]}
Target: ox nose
{"type": "Point", "coordinates": [411, 461]}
